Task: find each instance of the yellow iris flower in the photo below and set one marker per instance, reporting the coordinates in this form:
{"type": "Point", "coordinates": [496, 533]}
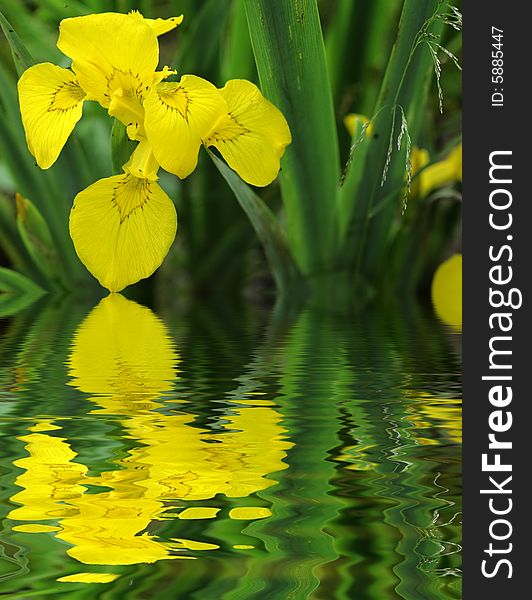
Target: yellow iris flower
{"type": "Point", "coordinates": [123, 226]}
{"type": "Point", "coordinates": [431, 177]}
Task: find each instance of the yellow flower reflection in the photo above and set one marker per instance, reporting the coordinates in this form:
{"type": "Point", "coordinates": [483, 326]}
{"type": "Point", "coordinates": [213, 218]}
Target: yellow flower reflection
{"type": "Point", "coordinates": [127, 369]}
{"type": "Point", "coordinates": [429, 414]}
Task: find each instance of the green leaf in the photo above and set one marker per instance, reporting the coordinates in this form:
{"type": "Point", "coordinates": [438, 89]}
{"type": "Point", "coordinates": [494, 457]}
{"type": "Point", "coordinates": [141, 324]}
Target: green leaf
{"type": "Point", "coordinates": [402, 97]}
{"type": "Point", "coordinates": [12, 282]}
{"type": "Point", "coordinates": [21, 57]}
{"type": "Point", "coordinates": [9, 238]}
{"type": "Point", "coordinates": [290, 56]}
{"type": "Point", "coordinates": [121, 146]}
{"type": "Point", "coordinates": [237, 57]}
{"type": "Point", "coordinates": [37, 239]}
{"type": "Point", "coordinates": [284, 269]}
{"type": "Point", "coordinates": [11, 304]}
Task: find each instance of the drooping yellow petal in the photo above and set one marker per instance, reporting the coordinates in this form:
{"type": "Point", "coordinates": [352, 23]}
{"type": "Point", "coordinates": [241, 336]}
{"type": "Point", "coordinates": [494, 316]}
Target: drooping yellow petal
{"type": "Point", "coordinates": [162, 26]}
{"type": "Point", "coordinates": [178, 117]}
{"type": "Point", "coordinates": [51, 103]}
{"type": "Point", "coordinates": [442, 172]}
{"type": "Point", "coordinates": [122, 228]}
{"type": "Point", "coordinates": [253, 135]}
{"type": "Point", "coordinates": [447, 291]}
{"type": "Point", "coordinates": [114, 57]}
{"type": "Point", "coordinates": [158, 26]}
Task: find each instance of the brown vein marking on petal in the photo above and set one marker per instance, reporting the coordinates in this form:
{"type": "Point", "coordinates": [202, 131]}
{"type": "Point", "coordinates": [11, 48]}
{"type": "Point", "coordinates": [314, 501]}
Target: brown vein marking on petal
{"type": "Point", "coordinates": [66, 96]}
{"type": "Point", "coordinates": [230, 130]}
{"type": "Point", "coordinates": [130, 83]}
{"type": "Point", "coordinates": [175, 98]}
{"type": "Point", "coordinates": [130, 195]}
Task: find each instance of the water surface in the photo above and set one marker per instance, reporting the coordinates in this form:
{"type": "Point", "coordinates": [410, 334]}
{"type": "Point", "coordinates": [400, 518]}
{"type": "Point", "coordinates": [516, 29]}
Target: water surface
{"type": "Point", "coordinates": [235, 454]}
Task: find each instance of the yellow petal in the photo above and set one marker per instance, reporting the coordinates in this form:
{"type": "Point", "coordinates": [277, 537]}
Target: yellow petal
{"type": "Point", "coordinates": [253, 136]}
{"type": "Point", "coordinates": [447, 291]}
{"type": "Point", "coordinates": [178, 117]}
{"type": "Point", "coordinates": [354, 122]}
{"type": "Point", "coordinates": [51, 103]}
{"type": "Point", "coordinates": [122, 228]}
{"type": "Point", "coordinates": [161, 26]}
{"type": "Point", "coordinates": [443, 172]}
{"type": "Point", "coordinates": [158, 26]}
{"type": "Point", "coordinates": [419, 159]}
{"type": "Point", "coordinates": [142, 162]}
{"type": "Point", "coordinates": [111, 53]}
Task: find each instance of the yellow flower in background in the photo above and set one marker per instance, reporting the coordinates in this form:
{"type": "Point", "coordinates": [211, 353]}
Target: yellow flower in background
{"type": "Point", "coordinates": [419, 159]}
{"type": "Point", "coordinates": [443, 172]}
{"type": "Point", "coordinates": [354, 122]}
{"type": "Point", "coordinates": [447, 291]}
{"type": "Point", "coordinates": [123, 226]}
{"type": "Point", "coordinates": [426, 177]}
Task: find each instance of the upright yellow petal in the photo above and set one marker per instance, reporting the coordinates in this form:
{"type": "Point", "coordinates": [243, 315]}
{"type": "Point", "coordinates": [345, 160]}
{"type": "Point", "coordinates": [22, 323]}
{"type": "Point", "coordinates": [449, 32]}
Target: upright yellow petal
{"type": "Point", "coordinates": [142, 162]}
{"type": "Point", "coordinates": [122, 228]}
{"type": "Point", "coordinates": [162, 26]}
{"type": "Point", "coordinates": [112, 54]}
{"type": "Point", "coordinates": [252, 137]}
{"type": "Point", "coordinates": [178, 116]}
{"type": "Point", "coordinates": [51, 103]}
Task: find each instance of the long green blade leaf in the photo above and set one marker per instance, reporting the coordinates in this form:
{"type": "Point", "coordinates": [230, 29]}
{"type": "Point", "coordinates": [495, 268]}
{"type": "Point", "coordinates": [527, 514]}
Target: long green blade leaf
{"type": "Point", "coordinates": [37, 239]}
{"type": "Point", "coordinates": [21, 57]}
{"type": "Point", "coordinates": [12, 282]}
{"type": "Point", "coordinates": [121, 146]}
{"type": "Point", "coordinates": [289, 51]}
{"type": "Point", "coordinates": [397, 119]}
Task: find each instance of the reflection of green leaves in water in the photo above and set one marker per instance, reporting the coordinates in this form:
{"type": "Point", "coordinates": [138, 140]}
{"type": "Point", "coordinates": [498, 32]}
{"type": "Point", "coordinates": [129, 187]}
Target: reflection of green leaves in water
{"type": "Point", "coordinates": [344, 427]}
